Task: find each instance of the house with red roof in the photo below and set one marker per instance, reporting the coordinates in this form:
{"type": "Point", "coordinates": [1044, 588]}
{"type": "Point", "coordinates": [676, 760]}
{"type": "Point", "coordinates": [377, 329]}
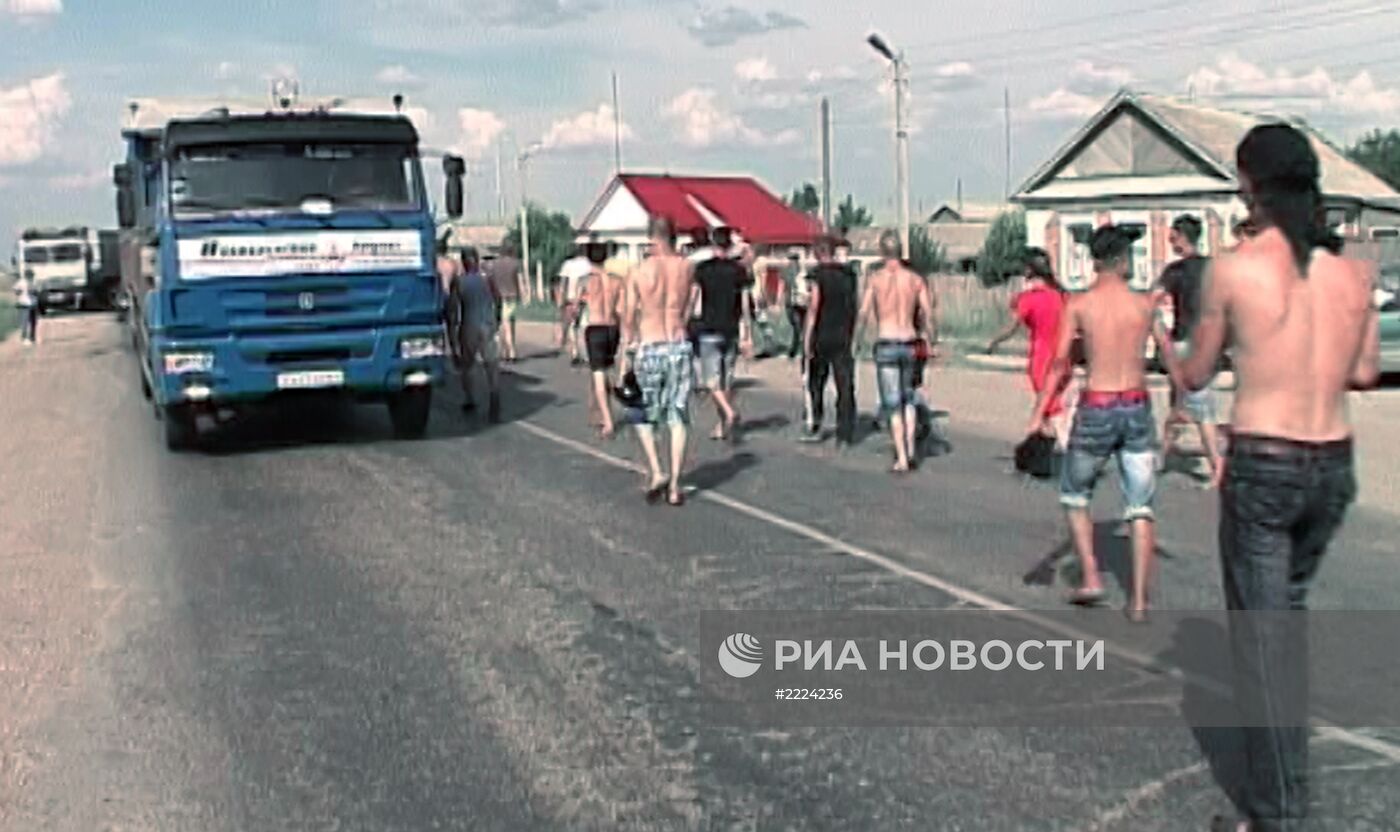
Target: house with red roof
{"type": "Point", "coordinates": [758, 216]}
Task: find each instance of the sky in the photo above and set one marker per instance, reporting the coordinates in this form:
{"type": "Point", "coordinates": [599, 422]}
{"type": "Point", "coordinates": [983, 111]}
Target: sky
{"type": "Point", "coordinates": [703, 87]}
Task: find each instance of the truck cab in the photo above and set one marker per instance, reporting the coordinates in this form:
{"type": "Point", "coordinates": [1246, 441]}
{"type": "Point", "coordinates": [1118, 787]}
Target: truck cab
{"type": "Point", "coordinates": [58, 262]}
{"type": "Point", "coordinates": [277, 251]}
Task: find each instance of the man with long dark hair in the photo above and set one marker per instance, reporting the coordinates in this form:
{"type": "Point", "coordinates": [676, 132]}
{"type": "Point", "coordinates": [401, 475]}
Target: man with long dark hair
{"type": "Point", "coordinates": [1304, 332]}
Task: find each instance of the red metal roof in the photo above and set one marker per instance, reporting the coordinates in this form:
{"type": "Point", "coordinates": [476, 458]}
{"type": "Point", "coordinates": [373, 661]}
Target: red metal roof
{"type": "Point", "coordinates": [738, 201]}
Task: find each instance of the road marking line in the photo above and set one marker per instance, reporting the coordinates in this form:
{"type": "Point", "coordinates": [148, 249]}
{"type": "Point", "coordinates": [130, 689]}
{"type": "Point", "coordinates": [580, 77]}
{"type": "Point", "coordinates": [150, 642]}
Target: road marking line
{"type": "Point", "coordinates": [1147, 791]}
{"type": "Point", "coordinates": [1325, 731]}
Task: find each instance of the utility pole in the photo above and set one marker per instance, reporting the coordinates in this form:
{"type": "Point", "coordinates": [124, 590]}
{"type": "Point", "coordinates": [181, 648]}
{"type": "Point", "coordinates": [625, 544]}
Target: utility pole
{"type": "Point", "coordinates": [617, 128]}
{"type": "Point", "coordinates": [1006, 101]}
{"type": "Point", "coordinates": [901, 133]}
{"type": "Point", "coordinates": [500, 195]}
{"type": "Point", "coordinates": [525, 210]}
{"type": "Point", "coordinates": [826, 163]}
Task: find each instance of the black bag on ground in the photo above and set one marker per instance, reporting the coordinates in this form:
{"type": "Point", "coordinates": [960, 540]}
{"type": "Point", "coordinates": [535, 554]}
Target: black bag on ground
{"type": "Point", "coordinates": [1035, 456]}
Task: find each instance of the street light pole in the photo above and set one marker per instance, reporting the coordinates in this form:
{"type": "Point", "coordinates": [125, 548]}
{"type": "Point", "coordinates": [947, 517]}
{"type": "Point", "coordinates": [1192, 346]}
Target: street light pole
{"type": "Point", "coordinates": [525, 216]}
{"type": "Point", "coordinates": [901, 133]}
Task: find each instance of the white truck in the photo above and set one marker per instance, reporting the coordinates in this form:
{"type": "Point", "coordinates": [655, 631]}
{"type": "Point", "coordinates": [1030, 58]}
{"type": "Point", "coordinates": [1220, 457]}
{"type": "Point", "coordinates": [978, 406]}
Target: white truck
{"type": "Point", "coordinates": [60, 263]}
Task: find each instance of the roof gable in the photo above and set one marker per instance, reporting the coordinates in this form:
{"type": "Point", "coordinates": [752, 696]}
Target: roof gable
{"type": "Point", "coordinates": [1164, 132]}
{"type": "Point", "coordinates": [692, 202]}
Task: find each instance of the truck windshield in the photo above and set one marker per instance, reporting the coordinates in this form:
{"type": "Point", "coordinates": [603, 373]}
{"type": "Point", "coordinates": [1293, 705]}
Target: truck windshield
{"type": "Point", "coordinates": [70, 253]}
{"type": "Point", "coordinates": [37, 254]}
{"type": "Point", "coordinates": [283, 176]}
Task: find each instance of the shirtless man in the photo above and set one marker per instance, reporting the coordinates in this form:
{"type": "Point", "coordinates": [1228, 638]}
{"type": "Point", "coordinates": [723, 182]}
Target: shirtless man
{"type": "Point", "coordinates": [902, 306]}
{"type": "Point", "coordinates": [1114, 417]}
{"type": "Point", "coordinates": [449, 268]}
{"type": "Point", "coordinates": [603, 295]}
{"type": "Point", "coordinates": [654, 310]}
{"type": "Point", "coordinates": [1304, 332]}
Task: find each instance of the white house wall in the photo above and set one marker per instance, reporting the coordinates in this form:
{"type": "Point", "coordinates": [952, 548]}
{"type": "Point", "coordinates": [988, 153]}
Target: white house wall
{"type": "Point", "coordinates": [622, 212]}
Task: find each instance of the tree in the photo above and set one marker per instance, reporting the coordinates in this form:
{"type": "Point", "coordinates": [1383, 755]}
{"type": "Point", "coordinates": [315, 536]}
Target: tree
{"type": "Point", "coordinates": [806, 199]}
{"type": "Point", "coordinates": [849, 215]}
{"type": "Point", "coordinates": [551, 239]}
{"type": "Point", "coordinates": [1380, 154]}
{"type": "Point", "coordinates": [1003, 254]}
{"type": "Point", "coordinates": [926, 256]}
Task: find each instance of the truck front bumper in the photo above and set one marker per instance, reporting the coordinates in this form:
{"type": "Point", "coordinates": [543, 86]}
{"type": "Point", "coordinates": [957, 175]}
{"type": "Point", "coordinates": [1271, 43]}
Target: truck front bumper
{"type": "Point", "coordinates": [361, 364]}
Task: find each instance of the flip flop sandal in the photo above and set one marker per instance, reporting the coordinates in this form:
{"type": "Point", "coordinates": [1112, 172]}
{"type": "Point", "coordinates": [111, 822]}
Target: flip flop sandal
{"type": "Point", "coordinates": [1087, 598]}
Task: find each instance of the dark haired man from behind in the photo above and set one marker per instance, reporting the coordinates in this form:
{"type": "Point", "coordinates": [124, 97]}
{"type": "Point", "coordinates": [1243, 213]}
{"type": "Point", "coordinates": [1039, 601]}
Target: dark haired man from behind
{"type": "Point", "coordinates": [1181, 281]}
{"type": "Point", "coordinates": [1304, 332]}
{"type": "Point", "coordinates": [1114, 417]}
{"type": "Point", "coordinates": [722, 328]}
{"type": "Point", "coordinates": [830, 331]}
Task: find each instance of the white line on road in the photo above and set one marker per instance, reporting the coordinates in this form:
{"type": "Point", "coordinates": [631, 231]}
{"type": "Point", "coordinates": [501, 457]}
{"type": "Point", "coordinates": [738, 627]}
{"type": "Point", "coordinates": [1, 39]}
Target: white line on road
{"type": "Point", "coordinates": [1343, 736]}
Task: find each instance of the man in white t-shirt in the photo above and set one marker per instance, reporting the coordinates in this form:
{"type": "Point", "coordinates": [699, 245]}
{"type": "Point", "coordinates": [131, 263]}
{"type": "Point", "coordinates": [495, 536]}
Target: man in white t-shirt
{"type": "Point", "coordinates": [573, 276]}
{"type": "Point", "coordinates": [28, 310]}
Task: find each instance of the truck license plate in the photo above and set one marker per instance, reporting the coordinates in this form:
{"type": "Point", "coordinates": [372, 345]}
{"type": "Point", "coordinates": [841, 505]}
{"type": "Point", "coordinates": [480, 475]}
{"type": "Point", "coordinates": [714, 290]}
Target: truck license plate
{"type": "Point", "coordinates": [310, 380]}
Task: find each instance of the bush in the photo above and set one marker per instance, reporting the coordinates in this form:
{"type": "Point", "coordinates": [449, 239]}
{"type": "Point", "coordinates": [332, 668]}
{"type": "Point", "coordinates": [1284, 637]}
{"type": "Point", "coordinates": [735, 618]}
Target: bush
{"type": "Point", "coordinates": [1003, 253]}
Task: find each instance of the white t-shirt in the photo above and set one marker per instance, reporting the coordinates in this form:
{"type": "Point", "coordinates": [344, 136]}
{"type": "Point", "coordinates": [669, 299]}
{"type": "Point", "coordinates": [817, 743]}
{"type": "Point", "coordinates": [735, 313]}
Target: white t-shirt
{"type": "Point", "coordinates": [24, 293]}
{"type": "Point", "coordinates": [574, 274]}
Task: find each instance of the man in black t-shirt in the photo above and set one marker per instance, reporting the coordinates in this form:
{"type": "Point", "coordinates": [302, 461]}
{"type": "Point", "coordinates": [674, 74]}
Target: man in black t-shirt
{"type": "Point", "coordinates": [1182, 281]}
{"type": "Point", "coordinates": [721, 283]}
{"type": "Point", "coordinates": [828, 336]}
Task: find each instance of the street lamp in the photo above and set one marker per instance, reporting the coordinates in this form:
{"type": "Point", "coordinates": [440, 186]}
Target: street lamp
{"type": "Point", "coordinates": [901, 133]}
{"type": "Point", "coordinates": [525, 215]}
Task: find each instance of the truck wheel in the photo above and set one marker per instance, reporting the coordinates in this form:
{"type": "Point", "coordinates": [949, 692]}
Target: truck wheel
{"type": "Point", "coordinates": [181, 434]}
{"type": "Point", "coordinates": [409, 412]}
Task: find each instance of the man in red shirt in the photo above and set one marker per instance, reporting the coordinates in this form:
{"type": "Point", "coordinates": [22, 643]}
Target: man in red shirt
{"type": "Point", "coordinates": [1038, 308]}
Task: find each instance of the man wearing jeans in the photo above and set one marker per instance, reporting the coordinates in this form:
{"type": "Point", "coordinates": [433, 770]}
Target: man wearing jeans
{"type": "Point", "coordinates": [902, 306]}
{"type": "Point", "coordinates": [831, 326]}
{"type": "Point", "coordinates": [1304, 332]}
{"type": "Point", "coordinates": [1114, 417]}
{"type": "Point", "coordinates": [722, 283]}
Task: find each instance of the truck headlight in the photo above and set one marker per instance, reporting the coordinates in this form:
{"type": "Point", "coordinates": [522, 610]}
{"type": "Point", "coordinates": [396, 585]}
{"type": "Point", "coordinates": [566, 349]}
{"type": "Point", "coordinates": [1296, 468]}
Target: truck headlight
{"type": "Point", "coordinates": [183, 363]}
{"type": "Point", "coordinates": [426, 347]}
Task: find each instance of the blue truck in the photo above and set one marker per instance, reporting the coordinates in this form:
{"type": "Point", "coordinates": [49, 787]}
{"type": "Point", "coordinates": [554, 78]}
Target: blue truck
{"type": "Point", "coordinates": [279, 250]}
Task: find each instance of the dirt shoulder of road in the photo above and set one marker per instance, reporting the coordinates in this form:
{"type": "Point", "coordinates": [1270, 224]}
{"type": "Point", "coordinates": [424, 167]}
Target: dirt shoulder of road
{"type": "Point", "coordinates": [52, 600]}
{"type": "Point", "coordinates": [989, 396]}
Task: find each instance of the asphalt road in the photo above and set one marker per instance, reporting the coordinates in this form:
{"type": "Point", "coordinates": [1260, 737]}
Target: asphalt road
{"type": "Point", "coordinates": [312, 626]}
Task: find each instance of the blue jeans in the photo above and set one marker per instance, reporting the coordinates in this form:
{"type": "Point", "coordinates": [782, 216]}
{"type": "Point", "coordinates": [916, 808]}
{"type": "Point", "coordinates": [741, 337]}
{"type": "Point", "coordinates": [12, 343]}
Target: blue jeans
{"type": "Point", "coordinates": [1124, 431]}
{"type": "Point", "coordinates": [717, 357]}
{"type": "Point", "coordinates": [1280, 505]}
{"type": "Point", "coordinates": [896, 370]}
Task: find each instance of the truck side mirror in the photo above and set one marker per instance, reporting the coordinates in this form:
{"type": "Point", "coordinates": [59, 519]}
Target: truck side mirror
{"type": "Point", "coordinates": [454, 169]}
{"type": "Point", "coordinates": [126, 197]}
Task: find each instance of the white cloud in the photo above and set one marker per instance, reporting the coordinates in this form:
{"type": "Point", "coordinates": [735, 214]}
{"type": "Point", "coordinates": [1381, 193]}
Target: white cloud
{"type": "Point", "coordinates": [1233, 77]}
{"type": "Point", "coordinates": [957, 69]}
{"type": "Point", "coordinates": [703, 122]}
{"type": "Point", "coordinates": [722, 27]}
{"type": "Point", "coordinates": [1087, 78]}
{"type": "Point", "coordinates": [225, 70]}
{"type": "Point", "coordinates": [755, 69]}
{"type": "Point", "coordinates": [588, 129]}
{"type": "Point", "coordinates": [33, 9]}
{"type": "Point", "coordinates": [479, 130]}
{"type": "Point", "coordinates": [1064, 104]}
{"type": "Point", "coordinates": [80, 181]}
{"type": "Point", "coordinates": [398, 75]}
{"type": "Point", "coordinates": [29, 114]}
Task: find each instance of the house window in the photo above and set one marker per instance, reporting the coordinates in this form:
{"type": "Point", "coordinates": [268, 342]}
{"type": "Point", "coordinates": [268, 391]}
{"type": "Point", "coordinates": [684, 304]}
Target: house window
{"type": "Point", "coordinates": [1140, 258]}
{"type": "Point", "coordinates": [1077, 266]}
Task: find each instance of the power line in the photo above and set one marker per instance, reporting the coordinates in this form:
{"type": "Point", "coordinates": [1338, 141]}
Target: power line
{"type": "Point", "coordinates": [1155, 40]}
{"type": "Point", "coordinates": [1174, 5]}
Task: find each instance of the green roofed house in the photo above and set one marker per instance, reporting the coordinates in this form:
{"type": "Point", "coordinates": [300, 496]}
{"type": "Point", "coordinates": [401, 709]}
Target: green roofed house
{"type": "Point", "coordinates": [1146, 159]}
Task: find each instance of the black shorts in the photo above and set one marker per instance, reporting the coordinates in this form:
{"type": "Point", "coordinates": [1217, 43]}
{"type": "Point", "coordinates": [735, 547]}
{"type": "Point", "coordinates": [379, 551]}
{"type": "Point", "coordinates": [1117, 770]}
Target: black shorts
{"type": "Point", "coordinates": [602, 342]}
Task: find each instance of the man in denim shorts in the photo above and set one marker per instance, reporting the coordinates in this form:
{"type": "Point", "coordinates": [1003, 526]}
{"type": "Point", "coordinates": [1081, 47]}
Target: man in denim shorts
{"type": "Point", "coordinates": [1114, 417]}
{"type": "Point", "coordinates": [902, 305]}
